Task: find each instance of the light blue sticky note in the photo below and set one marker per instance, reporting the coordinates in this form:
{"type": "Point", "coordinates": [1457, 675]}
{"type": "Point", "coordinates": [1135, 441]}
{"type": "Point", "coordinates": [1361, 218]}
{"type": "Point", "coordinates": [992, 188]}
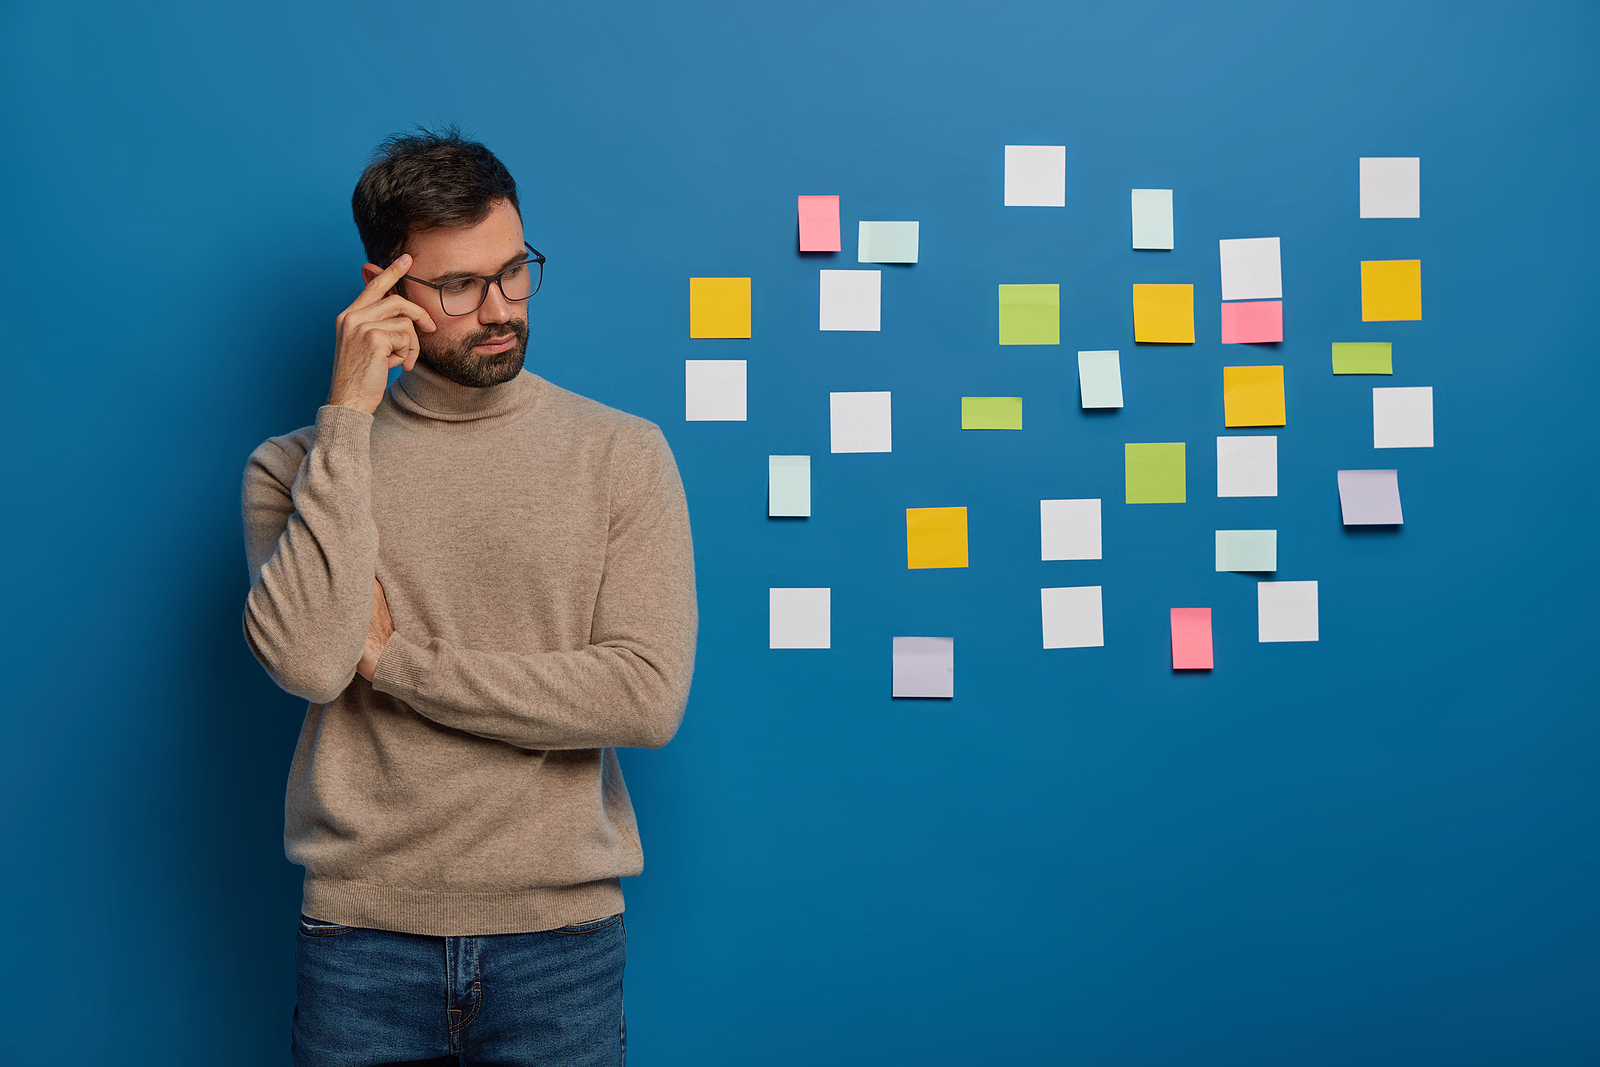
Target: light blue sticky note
{"type": "Point", "coordinates": [1247, 550]}
{"type": "Point", "coordinates": [788, 486]}
{"type": "Point", "coordinates": [887, 242]}
{"type": "Point", "coordinates": [1100, 379]}
{"type": "Point", "coordinates": [1152, 218]}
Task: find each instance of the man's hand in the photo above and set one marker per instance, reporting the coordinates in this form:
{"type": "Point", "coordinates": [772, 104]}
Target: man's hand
{"type": "Point", "coordinates": [379, 630]}
{"type": "Point", "coordinates": [373, 335]}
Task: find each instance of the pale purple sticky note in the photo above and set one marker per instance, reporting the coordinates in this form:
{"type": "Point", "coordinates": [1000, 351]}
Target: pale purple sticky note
{"type": "Point", "coordinates": [925, 667]}
{"type": "Point", "coordinates": [1370, 498]}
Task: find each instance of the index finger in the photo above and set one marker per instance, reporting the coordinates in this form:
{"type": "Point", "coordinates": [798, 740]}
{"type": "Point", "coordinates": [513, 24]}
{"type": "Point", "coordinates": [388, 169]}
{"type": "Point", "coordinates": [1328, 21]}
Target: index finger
{"type": "Point", "coordinates": [380, 285]}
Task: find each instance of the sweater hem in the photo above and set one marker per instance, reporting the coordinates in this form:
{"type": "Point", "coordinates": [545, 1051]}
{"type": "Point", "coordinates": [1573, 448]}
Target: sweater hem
{"type": "Point", "coordinates": [444, 913]}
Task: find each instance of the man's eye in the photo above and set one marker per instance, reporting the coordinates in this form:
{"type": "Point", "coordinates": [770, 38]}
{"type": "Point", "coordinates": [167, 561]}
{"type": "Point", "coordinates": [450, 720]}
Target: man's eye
{"type": "Point", "coordinates": [516, 272]}
{"type": "Point", "coordinates": [456, 287]}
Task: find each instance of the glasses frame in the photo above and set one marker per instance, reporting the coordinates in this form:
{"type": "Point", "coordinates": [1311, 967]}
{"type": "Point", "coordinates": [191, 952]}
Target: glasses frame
{"type": "Point", "coordinates": [488, 280]}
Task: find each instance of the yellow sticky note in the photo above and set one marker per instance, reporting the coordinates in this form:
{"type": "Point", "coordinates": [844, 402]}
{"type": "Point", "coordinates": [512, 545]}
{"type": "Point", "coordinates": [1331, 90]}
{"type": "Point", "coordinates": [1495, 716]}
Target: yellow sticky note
{"type": "Point", "coordinates": [1252, 396]}
{"type": "Point", "coordinates": [1391, 290]}
{"type": "Point", "coordinates": [1163, 314]}
{"type": "Point", "coordinates": [936, 537]}
{"type": "Point", "coordinates": [719, 307]}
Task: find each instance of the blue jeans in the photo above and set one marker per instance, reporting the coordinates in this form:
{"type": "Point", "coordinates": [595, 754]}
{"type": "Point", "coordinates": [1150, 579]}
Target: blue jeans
{"type": "Point", "coordinates": [373, 997]}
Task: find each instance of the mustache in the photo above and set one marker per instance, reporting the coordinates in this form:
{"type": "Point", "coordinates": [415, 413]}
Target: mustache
{"type": "Point", "coordinates": [499, 332]}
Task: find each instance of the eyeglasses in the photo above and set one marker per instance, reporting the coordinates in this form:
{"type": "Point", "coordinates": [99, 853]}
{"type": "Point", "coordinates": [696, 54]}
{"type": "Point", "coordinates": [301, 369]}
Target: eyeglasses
{"type": "Point", "coordinates": [463, 296]}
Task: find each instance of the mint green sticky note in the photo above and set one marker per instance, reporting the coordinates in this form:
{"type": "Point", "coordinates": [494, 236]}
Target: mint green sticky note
{"type": "Point", "coordinates": [1100, 379]}
{"type": "Point", "coordinates": [1247, 550]}
{"type": "Point", "coordinates": [886, 242]}
{"type": "Point", "coordinates": [1030, 314]}
{"type": "Point", "coordinates": [1154, 473]}
{"type": "Point", "coordinates": [788, 486]}
{"type": "Point", "coordinates": [1362, 357]}
{"type": "Point", "coordinates": [991, 413]}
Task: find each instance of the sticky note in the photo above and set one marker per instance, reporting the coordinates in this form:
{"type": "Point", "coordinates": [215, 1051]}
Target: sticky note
{"type": "Point", "coordinates": [1370, 498]}
{"type": "Point", "coordinates": [799, 618]}
{"type": "Point", "coordinates": [991, 413]}
{"type": "Point", "coordinates": [1391, 187]}
{"type": "Point", "coordinates": [1402, 418]}
{"type": "Point", "coordinates": [1030, 314]}
{"type": "Point", "coordinates": [1252, 322]}
{"type": "Point", "coordinates": [1071, 616]}
{"type": "Point", "coordinates": [1152, 218]}
{"type": "Point", "coordinates": [886, 242]}
{"type": "Point", "coordinates": [788, 486]}
{"type": "Point", "coordinates": [1252, 396]}
{"type": "Point", "coordinates": [819, 224]}
{"type": "Point", "coordinates": [1391, 290]}
{"type": "Point", "coordinates": [1100, 379]}
{"type": "Point", "coordinates": [1247, 466]}
{"type": "Point", "coordinates": [1362, 357]}
{"type": "Point", "coordinates": [713, 390]}
{"type": "Point", "coordinates": [859, 422]}
{"type": "Point", "coordinates": [936, 537]}
{"type": "Point", "coordinates": [1036, 175]}
{"type": "Point", "coordinates": [1191, 639]}
{"type": "Point", "coordinates": [849, 300]}
{"type": "Point", "coordinates": [1154, 473]}
{"type": "Point", "coordinates": [1069, 529]}
{"type": "Point", "coordinates": [1251, 269]}
{"type": "Point", "coordinates": [925, 667]}
{"type": "Point", "coordinates": [1247, 550]}
{"type": "Point", "coordinates": [1286, 611]}
{"type": "Point", "coordinates": [719, 307]}
{"type": "Point", "coordinates": [1163, 314]}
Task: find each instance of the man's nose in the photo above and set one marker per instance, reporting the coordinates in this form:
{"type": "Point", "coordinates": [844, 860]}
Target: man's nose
{"type": "Point", "coordinates": [495, 308]}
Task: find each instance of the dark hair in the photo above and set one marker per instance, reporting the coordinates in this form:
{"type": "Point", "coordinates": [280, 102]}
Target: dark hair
{"type": "Point", "coordinates": [417, 181]}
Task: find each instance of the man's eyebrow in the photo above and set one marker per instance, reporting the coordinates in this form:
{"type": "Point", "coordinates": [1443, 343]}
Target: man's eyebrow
{"type": "Point", "coordinates": [457, 275]}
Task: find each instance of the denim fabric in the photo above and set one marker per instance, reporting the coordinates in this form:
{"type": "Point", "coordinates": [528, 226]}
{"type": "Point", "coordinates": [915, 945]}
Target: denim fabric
{"type": "Point", "coordinates": [373, 997]}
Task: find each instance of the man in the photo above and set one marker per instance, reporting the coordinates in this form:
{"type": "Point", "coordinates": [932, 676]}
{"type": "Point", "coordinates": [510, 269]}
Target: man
{"type": "Point", "coordinates": [483, 584]}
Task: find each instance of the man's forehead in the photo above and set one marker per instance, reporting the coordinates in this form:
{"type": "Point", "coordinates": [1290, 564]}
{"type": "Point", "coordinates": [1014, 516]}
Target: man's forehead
{"type": "Point", "coordinates": [482, 247]}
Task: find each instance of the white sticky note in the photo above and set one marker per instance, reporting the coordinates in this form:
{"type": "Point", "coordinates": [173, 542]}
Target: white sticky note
{"type": "Point", "coordinates": [1403, 417]}
{"type": "Point", "coordinates": [849, 300]}
{"type": "Point", "coordinates": [1152, 218]}
{"type": "Point", "coordinates": [860, 422]}
{"type": "Point", "coordinates": [1286, 611]}
{"type": "Point", "coordinates": [1069, 529]}
{"type": "Point", "coordinates": [1247, 550]}
{"type": "Point", "coordinates": [887, 242]}
{"type": "Point", "coordinates": [713, 390]}
{"type": "Point", "coordinates": [788, 486]}
{"type": "Point", "coordinates": [1072, 617]}
{"type": "Point", "coordinates": [1247, 466]}
{"type": "Point", "coordinates": [1036, 175]}
{"type": "Point", "coordinates": [925, 667]}
{"type": "Point", "coordinates": [1370, 498]}
{"type": "Point", "coordinates": [799, 618]}
{"type": "Point", "coordinates": [1251, 269]}
{"type": "Point", "coordinates": [1100, 379]}
{"type": "Point", "coordinates": [1391, 187]}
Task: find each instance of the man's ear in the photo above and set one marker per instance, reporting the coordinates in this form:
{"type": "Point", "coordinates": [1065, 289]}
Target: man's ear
{"type": "Point", "coordinates": [369, 271]}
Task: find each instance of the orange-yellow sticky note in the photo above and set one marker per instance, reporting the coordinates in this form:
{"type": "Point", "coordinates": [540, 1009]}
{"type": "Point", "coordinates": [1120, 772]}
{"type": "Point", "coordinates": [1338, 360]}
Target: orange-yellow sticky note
{"type": "Point", "coordinates": [719, 307]}
{"type": "Point", "coordinates": [1163, 314]}
{"type": "Point", "coordinates": [1252, 396]}
{"type": "Point", "coordinates": [1391, 290]}
{"type": "Point", "coordinates": [936, 537]}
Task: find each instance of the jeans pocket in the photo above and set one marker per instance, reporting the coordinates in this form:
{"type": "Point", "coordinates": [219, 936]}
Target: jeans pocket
{"type": "Point", "coordinates": [591, 925]}
{"type": "Point", "coordinates": [317, 928]}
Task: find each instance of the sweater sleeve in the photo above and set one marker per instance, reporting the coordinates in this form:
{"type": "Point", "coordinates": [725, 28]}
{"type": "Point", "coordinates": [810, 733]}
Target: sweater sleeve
{"type": "Point", "coordinates": [313, 550]}
{"type": "Point", "coordinates": [628, 686]}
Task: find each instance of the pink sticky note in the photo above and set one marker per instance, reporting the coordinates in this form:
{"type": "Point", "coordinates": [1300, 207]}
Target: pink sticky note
{"type": "Point", "coordinates": [1252, 323]}
{"type": "Point", "coordinates": [819, 224]}
{"type": "Point", "coordinates": [1191, 639]}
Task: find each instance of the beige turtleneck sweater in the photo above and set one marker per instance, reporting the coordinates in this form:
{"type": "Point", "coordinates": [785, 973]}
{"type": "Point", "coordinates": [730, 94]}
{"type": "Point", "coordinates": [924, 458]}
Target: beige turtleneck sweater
{"type": "Point", "coordinates": [534, 550]}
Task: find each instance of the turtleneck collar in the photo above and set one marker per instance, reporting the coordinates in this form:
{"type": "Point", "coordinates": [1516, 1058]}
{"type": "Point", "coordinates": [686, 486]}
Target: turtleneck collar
{"type": "Point", "coordinates": [421, 391]}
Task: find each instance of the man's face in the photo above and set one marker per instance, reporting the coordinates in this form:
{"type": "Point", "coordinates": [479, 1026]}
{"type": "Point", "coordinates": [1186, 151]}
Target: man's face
{"type": "Point", "coordinates": [485, 347]}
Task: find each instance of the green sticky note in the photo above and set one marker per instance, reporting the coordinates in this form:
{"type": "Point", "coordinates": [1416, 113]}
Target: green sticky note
{"type": "Point", "coordinates": [1247, 550]}
{"type": "Point", "coordinates": [991, 413]}
{"type": "Point", "coordinates": [1362, 357]}
{"type": "Point", "coordinates": [1030, 314]}
{"type": "Point", "coordinates": [1155, 473]}
{"type": "Point", "coordinates": [788, 486]}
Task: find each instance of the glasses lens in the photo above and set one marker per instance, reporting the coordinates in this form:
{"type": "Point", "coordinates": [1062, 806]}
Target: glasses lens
{"type": "Point", "coordinates": [462, 297]}
{"type": "Point", "coordinates": [520, 281]}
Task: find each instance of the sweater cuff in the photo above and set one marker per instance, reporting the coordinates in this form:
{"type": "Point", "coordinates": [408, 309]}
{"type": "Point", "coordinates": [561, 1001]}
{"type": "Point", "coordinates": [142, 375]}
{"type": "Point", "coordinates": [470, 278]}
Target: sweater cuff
{"type": "Point", "coordinates": [400, 669]}
{"type": "Point", "coordinates": [335, 421]}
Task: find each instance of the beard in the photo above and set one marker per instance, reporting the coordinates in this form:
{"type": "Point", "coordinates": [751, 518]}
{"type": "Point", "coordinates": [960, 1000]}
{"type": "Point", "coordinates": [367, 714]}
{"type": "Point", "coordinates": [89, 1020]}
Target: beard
{"type": "Point", "coordinates": [456, 363]}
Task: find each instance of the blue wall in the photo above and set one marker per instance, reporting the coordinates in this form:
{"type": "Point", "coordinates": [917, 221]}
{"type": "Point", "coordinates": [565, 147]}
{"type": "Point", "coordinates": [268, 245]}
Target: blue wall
{"type": "Point", "coordinates": [1374, 849]}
